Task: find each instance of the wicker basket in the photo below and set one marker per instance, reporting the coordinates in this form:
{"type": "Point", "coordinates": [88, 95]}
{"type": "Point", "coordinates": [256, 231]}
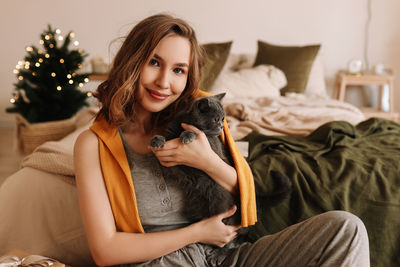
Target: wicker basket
{"type": "Point", "coordinates": [31, 135]}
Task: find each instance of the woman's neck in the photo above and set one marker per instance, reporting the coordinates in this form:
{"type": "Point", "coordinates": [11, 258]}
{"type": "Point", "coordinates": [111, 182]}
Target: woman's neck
{"type": "Point", "coordinates": [138, 134]}
{"type": "Point", "coordinates": [141, 125]}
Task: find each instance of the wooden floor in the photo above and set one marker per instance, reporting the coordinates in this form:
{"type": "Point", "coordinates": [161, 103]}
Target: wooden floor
{"type": "Point", "coordinates": [9, 159]}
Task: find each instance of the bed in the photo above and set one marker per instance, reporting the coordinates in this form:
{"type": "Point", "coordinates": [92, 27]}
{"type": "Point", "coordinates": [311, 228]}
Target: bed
{"type": "Point", "coordinates": [335, 158]}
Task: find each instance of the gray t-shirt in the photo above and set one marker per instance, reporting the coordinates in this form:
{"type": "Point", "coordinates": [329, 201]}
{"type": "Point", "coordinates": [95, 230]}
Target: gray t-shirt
{"type": "Point", "coordinates": [160, 202]}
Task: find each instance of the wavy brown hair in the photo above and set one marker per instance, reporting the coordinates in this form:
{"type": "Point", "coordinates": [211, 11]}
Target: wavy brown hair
{"type": "Point", "coordinates": [117, 94]}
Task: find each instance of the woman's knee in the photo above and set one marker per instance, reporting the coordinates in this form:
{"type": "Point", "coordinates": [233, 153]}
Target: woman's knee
{"type": "Point", "coordinates": [346, 220]}
{"type": "Point", "coordinates": [341, 216]}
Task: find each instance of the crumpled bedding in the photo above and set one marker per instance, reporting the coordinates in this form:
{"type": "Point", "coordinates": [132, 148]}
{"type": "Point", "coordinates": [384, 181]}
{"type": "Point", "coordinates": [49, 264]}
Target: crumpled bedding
{"type": "Point", "coordinates": [338, 166]}
{"type": "Point", "coordinates": [294, 114]}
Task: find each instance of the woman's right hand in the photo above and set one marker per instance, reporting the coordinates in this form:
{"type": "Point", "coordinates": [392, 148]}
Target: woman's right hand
{"type": "Point", "coordinates": [213, 231]}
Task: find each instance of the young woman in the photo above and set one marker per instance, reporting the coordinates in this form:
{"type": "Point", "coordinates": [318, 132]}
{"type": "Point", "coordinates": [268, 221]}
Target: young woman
{"type": "Point", "coordinates": [131, 213]}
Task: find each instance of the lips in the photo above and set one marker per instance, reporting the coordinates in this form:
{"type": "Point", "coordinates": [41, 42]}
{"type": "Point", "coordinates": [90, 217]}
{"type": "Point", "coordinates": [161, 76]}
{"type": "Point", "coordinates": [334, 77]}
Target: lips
{"type": "Point", "coordinates": [157, 95]}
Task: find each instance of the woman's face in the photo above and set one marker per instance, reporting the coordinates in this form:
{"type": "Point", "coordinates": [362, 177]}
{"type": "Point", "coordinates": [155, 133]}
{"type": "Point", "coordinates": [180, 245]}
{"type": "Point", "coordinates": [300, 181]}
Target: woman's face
{"type": "Point", "coordinates": [164, 75]}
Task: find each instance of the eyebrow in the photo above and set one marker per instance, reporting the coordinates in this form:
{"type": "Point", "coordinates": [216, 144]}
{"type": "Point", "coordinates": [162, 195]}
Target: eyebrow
{"type": "Point", "coordinates": [177, 64]}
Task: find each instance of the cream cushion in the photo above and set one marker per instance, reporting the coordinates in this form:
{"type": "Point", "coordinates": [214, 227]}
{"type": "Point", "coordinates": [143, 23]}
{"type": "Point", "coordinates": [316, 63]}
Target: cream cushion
{"type": "Point", "coordinates": [260, 81]}
{"type": "Point", "coordinates": [316, 85]}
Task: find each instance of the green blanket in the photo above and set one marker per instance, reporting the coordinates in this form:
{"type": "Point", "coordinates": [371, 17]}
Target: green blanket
{"type": "Point", "coordinates": [337, 167]}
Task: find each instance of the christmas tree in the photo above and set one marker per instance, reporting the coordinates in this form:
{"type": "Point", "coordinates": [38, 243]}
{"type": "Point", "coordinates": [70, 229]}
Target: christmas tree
{"type": "Point", "coordinates": [48, 86]}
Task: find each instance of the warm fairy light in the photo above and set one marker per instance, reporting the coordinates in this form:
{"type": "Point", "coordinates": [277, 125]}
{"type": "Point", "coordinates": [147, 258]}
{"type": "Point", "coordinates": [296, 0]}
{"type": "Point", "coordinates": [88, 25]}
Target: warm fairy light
{"type": "Point", "coordinates": [61, 60]}
{"type": "Point", "coordinates": [86, 80]}
{"type": "Point", "coordinates": [47, 37]}
{"type": "Point", "coordinates": [89, 94]}
{"type": "Point", "coordinates": [72, 34]}
{"type": "Point", "coordinates": [71, 81]}
{"type": "Point", "coordinates": [27, 66]}
{"type": "Point", "coordinates": [80, 84]}
{"type": "Point", "coordinates": [74, 74]}
{"type": "Point", "coordinates": [29, 48]}
{"type": "Point", "coordinates": [16, 71]}
{"type": "Point", "coordinates": [12, 100]}
{"type": "Point", "coordinates": [79, 66]}
{"type": "Point", "coordinates": [60, 38]}
{"type": "Point", "coordinates": [69, 76]}
{"type": "Point", "coordinates": [40, 60]}
{"type": "Point", "coordinates": [80, 51]}
{"type": "Point", "coordinates": [33, 73]}
{"type": "Point", "coordinates": [58, 31]}
{"type": "Point", "coordinates": [51, 45]}
{"type": "Point", "coordinates": [59, 88]}
{"type": "Point", "coordinates": [41, 41]}
{"type": "Point", "coordinates": [47, 56]}
{"type": "Point", "coordinates": [20, 78]}
{"type": "Point", "coordinates": [20, 62]}
{"type": "Point", "coordinates": [40, 52]}
{"type": "Point", "coordinates": [53, 74]}
{"type": "Point", "coordinates": [76, 43]}
{"type": "Point", "coordinates": [37, 64]}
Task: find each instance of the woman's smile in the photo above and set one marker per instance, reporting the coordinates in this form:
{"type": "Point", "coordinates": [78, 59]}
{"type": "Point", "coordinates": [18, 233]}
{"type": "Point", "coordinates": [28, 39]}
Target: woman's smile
{"type": "Point", "coordinates": [157, 95]}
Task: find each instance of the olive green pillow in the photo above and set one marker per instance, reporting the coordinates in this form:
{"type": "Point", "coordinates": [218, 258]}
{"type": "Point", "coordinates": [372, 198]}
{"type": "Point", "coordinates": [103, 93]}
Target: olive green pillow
{"type": "Point", "coordinates": [215, 58]}
{"type": "Point", "coordinates": [294, 61]}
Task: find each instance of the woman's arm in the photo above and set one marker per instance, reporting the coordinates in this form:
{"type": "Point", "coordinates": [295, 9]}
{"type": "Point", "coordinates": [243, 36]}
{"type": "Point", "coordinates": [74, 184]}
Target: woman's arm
{"type": "Point", "coordinates": [200, 155]}
{"type": "Point", "coordinates": [109, 247]}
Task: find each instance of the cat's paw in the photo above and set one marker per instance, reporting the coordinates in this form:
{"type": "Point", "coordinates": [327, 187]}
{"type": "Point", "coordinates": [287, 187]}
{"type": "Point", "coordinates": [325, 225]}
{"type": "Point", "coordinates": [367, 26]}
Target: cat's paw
{"type": "Point", "coordinates": [187, 136]}
{"type": "Point", "coordinates": [157, 141]}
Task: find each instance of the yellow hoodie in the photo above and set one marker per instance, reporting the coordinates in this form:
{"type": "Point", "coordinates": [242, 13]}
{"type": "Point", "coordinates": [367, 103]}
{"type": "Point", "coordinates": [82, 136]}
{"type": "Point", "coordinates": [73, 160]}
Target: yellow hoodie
{"type": "Point", "coordinates": [119, 185]}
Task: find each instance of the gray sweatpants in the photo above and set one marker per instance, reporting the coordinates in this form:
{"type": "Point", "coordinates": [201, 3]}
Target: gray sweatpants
{"type": "Point", "coordinates": [334, 238]}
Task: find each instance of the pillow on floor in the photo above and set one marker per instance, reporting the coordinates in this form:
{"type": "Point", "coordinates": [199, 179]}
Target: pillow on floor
{"type": "Point", "coordinates": [294, 61]}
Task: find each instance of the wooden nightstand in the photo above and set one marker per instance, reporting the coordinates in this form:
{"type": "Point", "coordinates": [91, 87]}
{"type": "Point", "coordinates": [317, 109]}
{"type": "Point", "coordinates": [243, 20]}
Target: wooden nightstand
{"type": "Point", "coordinates": [344, 79]}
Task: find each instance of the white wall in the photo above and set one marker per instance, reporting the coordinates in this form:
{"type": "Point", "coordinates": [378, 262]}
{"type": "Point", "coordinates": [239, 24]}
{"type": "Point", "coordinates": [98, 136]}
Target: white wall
{"type": "Point", "coordinates": [337, 24]}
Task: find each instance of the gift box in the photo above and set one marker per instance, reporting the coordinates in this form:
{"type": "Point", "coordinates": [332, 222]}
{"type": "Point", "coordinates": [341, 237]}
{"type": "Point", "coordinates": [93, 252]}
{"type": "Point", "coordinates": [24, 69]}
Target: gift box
{"type": "Point", "coordinates": [18, 258]}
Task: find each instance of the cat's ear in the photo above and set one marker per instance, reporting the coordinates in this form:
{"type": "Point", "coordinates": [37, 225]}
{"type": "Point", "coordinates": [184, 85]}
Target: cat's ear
{"type": "Point", "coordinates": [220, 96]}
{"type": "Point", "coordinates": [203, 104]}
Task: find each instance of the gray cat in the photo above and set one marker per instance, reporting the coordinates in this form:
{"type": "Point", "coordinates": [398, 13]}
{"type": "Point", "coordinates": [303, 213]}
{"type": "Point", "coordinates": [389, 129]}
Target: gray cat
{"type": "Point", "coordinates": [205, 197]}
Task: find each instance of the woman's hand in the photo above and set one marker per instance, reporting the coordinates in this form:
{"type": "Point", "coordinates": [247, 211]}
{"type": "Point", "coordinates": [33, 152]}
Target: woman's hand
{"type": "Point", "coordinates": [214, 232]}
{"type": "Point", "coordinates": [196, 154]}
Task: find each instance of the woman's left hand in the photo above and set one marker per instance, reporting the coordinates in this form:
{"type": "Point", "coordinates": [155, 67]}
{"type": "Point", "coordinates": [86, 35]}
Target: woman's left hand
{"type": "Point", "coordinates": [196, 154]}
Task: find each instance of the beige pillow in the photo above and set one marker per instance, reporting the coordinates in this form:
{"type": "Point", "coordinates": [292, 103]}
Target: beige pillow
{"type": "Point", "coordinates": [316, 85]}
{"type": "Point", "coordinates": [316, 80]}
{"type": "Point", "coordinates": [294, 61]}
{"type": "Point", "coordinates": [260, 81]}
